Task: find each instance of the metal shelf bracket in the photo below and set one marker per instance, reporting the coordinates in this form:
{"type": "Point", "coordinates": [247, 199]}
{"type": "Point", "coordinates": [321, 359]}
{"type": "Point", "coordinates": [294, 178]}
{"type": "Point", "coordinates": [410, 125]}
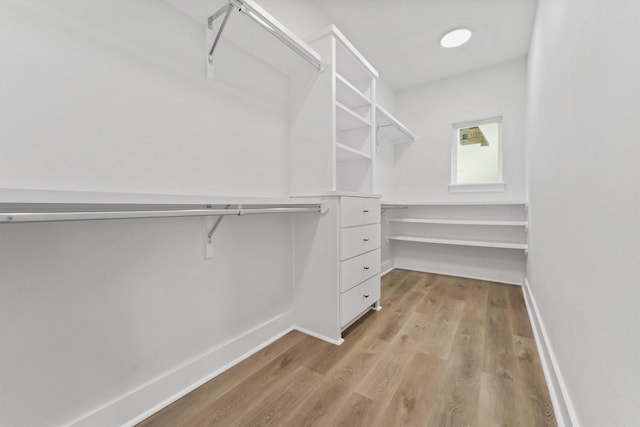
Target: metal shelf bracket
{"type": "Point", "coordinates": [226, 10]}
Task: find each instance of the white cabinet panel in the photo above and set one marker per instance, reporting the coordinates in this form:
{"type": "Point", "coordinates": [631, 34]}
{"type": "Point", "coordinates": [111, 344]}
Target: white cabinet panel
{"type": "Point", "coordinates": [358, 299]}
{"type": "Point", "coordinates": [359, 211]}
{"type": "Point", "coordinates": [358, 240]}
{"type": "Point", "coordinates": [357, 270]}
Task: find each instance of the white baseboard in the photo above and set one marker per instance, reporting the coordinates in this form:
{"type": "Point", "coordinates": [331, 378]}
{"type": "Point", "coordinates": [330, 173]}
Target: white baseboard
{"type": "Point", "coordinates": [501, 279]}
{"type": "Point", "coordinates": [562, 406]}
{"type": "Point", "coordinates": [386, 266]}
{"type": "Point", "coordinates": [320, 337]}
{"type": "Point", "coordinates": [142, 402]}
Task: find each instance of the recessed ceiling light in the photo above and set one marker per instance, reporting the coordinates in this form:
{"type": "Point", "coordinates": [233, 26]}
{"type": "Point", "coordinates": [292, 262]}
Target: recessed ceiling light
{"type": "Point", "coordinates": [455, 38]}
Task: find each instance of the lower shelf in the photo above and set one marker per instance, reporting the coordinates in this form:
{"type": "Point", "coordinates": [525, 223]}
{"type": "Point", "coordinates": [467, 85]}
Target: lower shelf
{"type": "Point", "coordinates": [483, 244]}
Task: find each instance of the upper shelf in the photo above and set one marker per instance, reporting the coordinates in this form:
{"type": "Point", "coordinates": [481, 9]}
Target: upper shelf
{"type": "Point", "coordinates": [349, 62]}
{"type": "Point", "coordinates": [348, 95]}
{"type": "Point", "coordinates": [65, 197]}
{"type": "Point", "coordinates": [390, 127]}
{"type": "Point", "coordinates": [346, 119]}
{"type": "Point", "coordinates": [18, 205]}
{"type": "Point", "coordinates": [247, 27]}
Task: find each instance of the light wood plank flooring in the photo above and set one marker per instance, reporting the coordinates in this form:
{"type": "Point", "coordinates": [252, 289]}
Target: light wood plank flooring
{"type": "Point", "coordinates": [444, 351]}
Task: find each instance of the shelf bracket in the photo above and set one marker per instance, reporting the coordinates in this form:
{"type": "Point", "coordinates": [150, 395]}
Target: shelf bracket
{"type": "Point", "coordinates": [226, 10]}
{"type": "Point", "coordinates": [209, 245]}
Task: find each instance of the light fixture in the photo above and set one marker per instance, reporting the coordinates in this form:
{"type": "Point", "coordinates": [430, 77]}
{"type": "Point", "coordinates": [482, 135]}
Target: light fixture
{"type": "Point", "coordinates": [455, 38]}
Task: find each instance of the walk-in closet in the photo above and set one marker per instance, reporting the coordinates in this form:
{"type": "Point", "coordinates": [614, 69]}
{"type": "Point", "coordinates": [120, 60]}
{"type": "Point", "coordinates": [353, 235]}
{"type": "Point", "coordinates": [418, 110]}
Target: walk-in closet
{"type": "Point", "coordinates": [319, 213]}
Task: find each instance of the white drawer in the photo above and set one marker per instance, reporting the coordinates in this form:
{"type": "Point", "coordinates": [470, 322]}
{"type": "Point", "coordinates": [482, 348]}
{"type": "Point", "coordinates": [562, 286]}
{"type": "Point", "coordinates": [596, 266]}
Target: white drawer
{"type": "Point", "coordinates": [359, 211]}
{"type": "Point", "coordinates": [358, 269]}
{"type": "Point", "coordinates": [356, 300]}
{"type": "Point", "coordinates": [358, 240]}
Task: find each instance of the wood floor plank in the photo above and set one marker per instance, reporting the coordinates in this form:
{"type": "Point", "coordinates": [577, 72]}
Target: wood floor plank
{"type": "Point", "coordinates": [519, 318]}
{"type": "Point", "coordinates": [533, 388]}
{"type": "Point", "coordinates": [444, 351]}
{"type": "Point", "coordinates": [498, 403]}
{"type": "Point", "coordinates": [498, 350]}
{"type": "Point", "coordinates": [473, 319]}
{"type": "Point", "coordinates": [336, 387]}
{"type": "Point", "coordinates": [271, 379]}
{"type": "Point", "coordinates": [380, 383]}
{"type": "Point", "coordinates": [407, 406]}
{"type": "Point", "coordinates": [177, 412]}
{"type": "Point", "coordinates": [458, 385]}
{"type": "Point", "coordinates": [357, 411]}
{"type": "Point", "coordinates": [444, 323]}
{"type": "Point", "coordinates": [276, 408]}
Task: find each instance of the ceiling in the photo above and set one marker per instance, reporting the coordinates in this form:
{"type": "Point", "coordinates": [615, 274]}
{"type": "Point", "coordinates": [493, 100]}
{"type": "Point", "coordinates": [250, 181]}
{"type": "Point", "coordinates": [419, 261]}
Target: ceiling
{"type": "Point", "coordinates": [401, 38]}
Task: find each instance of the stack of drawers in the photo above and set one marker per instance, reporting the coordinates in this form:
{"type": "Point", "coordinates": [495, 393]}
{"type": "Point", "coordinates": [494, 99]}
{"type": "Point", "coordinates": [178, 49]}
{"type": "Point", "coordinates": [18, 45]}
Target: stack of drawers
{"type": "Point", "coordinates": [359, 257]}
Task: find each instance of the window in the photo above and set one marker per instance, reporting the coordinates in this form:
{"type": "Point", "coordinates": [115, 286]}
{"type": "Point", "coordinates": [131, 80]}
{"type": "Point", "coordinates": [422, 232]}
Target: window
{"type": "Point", "coordinates": [476, 156]}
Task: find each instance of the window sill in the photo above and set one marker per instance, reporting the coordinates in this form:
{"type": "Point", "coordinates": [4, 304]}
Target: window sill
{"type": "Point", "coordinates": [492, 187]}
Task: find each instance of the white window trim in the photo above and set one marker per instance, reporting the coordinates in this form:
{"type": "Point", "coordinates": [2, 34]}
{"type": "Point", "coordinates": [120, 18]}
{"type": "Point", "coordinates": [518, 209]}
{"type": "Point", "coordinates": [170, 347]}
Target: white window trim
{"type": "Point", "coordinates": [484, 187]}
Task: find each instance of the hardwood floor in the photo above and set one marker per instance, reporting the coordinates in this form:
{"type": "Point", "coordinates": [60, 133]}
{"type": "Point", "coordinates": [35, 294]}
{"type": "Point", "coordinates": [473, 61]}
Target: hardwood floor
{"type": "Point", "coordinates": [444, 351]}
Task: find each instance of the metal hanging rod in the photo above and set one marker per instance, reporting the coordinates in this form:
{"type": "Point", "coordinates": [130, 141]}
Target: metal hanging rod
{"type": "Point", "coordinates": [12, 217]}
{"type": "Point", "coordinates": [266, 21]}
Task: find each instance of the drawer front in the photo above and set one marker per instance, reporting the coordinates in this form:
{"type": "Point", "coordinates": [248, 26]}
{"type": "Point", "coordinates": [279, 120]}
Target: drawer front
{"type": "Point", "coordinates": [356, 300]}
{"type": "Point", "coordinates": [359, 211]}
{"type": "Point", "coordinates": [358, 269]}
{"type": "Point", "coordinates": [358, 240]}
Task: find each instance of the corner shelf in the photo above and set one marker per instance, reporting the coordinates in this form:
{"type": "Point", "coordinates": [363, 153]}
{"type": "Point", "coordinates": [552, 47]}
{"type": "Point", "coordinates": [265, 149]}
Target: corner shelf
{"type": "Point", "coordinates": [476, 243]}
{"type": "Point", "coordinates": [391, 127]}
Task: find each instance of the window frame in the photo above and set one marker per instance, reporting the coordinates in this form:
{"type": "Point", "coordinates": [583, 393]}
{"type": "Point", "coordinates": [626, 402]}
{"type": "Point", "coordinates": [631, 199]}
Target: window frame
{"type": "Point", "coordinates": [492, 186]}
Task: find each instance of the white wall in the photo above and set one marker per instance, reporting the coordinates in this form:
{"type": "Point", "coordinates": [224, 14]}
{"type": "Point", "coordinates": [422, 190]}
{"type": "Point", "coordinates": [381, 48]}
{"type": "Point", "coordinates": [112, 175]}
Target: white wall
{"type": "Point", "coordinates": [584, 178]}
{"type": "Point", "coordinates": [423, 169]}
{"type": "Point", "coordinates": [111, 96]}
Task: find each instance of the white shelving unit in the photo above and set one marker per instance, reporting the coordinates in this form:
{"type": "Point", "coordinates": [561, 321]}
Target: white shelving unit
{"type": "Point", "coordinates": [333, 131]}
{"type": "Point", "coordinates": [461, 222]}
{"type": "Point", "coordinates": [484, 240]}
{"type": "Point", "coordinates": [391, 128]}
{"type": "Point", "coordinates": [476, 243]}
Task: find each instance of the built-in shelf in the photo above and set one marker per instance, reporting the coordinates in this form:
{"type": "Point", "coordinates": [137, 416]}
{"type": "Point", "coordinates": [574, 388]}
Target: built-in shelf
{"type": "Point", "coordinates": [391, 127]}
{"type": "Point", "coordinates": [460, 222]}
{"type": "Point", "coordinates": [482, 244]}
{"type": "Point", "coordinates": [350, 96]}
{"type": "Point", "coordinates": [345, 153]}
{"type": "Point", "coordinates": [444, 203]}
{"type": "Point", "coordinates": [346, 119]}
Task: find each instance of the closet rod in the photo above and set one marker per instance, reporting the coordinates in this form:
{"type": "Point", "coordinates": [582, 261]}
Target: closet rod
{"type": "Point", "coordinates": [12, 217]}
{"type": "Point", "coordinates": [267, 22]}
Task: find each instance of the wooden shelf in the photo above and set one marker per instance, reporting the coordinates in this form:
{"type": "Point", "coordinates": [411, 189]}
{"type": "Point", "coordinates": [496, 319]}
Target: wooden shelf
{"type": "Point", "coordinates": [390, 127]}
{"type": "Point", "coordinates": [350, 96]}
{"type": "Point", "coordinates": [476, 243]}
{"type": "Point", "coordinates": [461, 222]}
{"type": "Point", "coordinates": [346, 119]}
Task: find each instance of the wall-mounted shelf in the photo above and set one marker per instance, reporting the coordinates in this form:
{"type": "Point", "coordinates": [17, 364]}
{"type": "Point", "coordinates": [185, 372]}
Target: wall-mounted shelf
{"type": "Point", "coordinates": [477, 243]}
{"type": "Point", "coordinates": [391, 127]}
{"type": "Point", "coordinates": [455, 203]}
{"type": "Point", "coordinates": [345, 153]}
{"type": "Point", "coordinates": [277, 50]}
{"type": "Point", "coordinates": [350, 96]}
{"type": "Point", "coordinates": [26, 205]}
{"type": "Point", "coordinates": [460, 222]}
{"type": "Point", "coordinates": [347, 119]}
